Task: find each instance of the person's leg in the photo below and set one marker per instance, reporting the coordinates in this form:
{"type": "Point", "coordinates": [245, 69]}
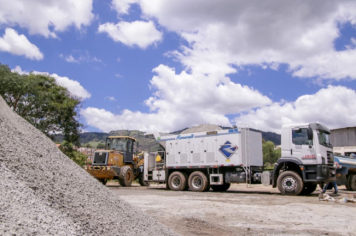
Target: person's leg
{"type": "Point", "coordinates": [335, 187]}
{"type": "Point", "coordinates": [325, 187]}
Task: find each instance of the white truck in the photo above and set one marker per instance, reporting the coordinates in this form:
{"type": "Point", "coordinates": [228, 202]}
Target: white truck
{"type": "Point", "coordinates": [215, 159]}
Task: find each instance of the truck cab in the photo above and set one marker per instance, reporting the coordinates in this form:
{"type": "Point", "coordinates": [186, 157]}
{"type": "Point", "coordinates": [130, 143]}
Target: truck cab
{"type": "Point", "coordinates": [307, 159]}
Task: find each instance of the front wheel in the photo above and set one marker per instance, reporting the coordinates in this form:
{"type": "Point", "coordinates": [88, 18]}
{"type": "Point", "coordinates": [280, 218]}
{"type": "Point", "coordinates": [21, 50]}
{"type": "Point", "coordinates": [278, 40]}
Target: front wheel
{"type": "Point", "coordinates": [290, 183]}
{"type": "Point", "coordinates": [126, 176]}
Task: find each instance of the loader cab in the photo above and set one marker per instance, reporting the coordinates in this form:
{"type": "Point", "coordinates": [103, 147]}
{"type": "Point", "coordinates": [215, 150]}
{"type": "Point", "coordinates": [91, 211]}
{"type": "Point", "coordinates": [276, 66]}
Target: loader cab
{"type": "Point", "coordinates": [122, 144]}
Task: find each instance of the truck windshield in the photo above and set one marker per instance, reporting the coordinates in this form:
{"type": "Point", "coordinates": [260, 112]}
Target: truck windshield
{"type": "Point", "coordinates": [118, 144]}
{"type": "Point", "coordinates": [324, 138]}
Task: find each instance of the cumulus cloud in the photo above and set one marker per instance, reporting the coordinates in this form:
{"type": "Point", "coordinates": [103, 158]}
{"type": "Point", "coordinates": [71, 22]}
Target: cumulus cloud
{"type": "Point", "coordinates": [137, 33]}
{"type": "Point", "coordinates": [46, 17]}
{"type": "Point", "coordinates": [181, 100]}
{"type": "Point", "coordinates": [332, 106]}
{"type": "Point", "coordinates": [225, 36]}
{"type": "Point", "coordinates": [19, 45]}
{"type": "Point", "coordinates": [123, 6]}
{"type": "Point", "coordinates": [73, 86]}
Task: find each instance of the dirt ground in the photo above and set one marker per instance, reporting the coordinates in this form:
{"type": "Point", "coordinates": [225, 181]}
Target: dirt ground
{"type": "Point", "coordinates": [259, 210]}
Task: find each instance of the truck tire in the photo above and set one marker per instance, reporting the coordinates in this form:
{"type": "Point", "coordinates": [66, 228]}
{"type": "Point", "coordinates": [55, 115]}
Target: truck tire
{"type": "Point", "coordinates": [198, 181]}
{"type": "Point", "coordinates": [308, 188]}
{"type": "Point", "coordinates": [177, 181]}
{"type": "Point", "coordinates": [126, 176]}
{"type": "Point", "coordinates": [142, 181]}
{"type": "Point", "coordinates": [221, 188]}
{"type": "Point", "coordinates": [290, 183]}
{"type": "Point", "coordinates": [352, 182]}
{"type": "Point", "coordinates": [347, 183]}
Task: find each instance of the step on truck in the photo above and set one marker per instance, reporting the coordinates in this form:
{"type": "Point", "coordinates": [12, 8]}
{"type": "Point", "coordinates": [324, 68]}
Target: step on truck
{"type": "Point", "coordinates": [215, 159]}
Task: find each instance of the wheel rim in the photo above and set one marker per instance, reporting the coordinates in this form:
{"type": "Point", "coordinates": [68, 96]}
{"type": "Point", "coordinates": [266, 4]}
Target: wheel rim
{"type": "Point", "coordinates": [197, 182]}
{"type": "Point", "coordinates": [128, 176]}
{"type": "Point", "coordinates": [176, 181]}
{"type": "Point", "coordinates": [289, 183]}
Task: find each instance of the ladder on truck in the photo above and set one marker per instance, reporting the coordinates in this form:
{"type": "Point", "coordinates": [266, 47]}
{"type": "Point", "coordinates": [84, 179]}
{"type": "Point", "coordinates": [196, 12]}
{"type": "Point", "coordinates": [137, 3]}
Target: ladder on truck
{"type": "Point", "coordinates": [247, 166]}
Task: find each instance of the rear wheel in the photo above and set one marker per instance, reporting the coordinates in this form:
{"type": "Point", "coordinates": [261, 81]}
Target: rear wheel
{"type": "Point", "coordinates": [198, 181]}
{"type": "Point", "coordinates": [177, 181]}
{"type": "Point", "coordinates": [125, 176]}
{"type": "Point", "coordinates": [308, 188]}
{"type": "Point", "coordinates": [290, 183]}
{"type": "Point", "coordinates": [142, 181]}
{"type": "Point", "coordinates": [221, 188]}
{"type": "Point", "coordinates": [352, 182]}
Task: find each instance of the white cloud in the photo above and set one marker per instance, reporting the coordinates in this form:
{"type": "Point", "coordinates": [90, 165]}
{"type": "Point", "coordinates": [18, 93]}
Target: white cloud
{"type": "Point", "coordinates": [137, 33]}
{"type": "Point", "coordinates": [73, 86]}
{"type": "Point", "coordinates": [71, 59]}
{"type": "Point", "coordinates": [19, 45]}
{"type": "Point", "coordinates": [181, 100]}
{"type": "Point", "coordinates": [46, 17]}
{"type": "Point", "coordinates": [332, 106]}
{"type": "Point", "coordinates": [78, 56]}
{"type": "Point", "coordinates": [224, 36]}
{"type": "Point", "coordinates": [110, 98]}
{"type": "Point", "coordinates": [122, 6]}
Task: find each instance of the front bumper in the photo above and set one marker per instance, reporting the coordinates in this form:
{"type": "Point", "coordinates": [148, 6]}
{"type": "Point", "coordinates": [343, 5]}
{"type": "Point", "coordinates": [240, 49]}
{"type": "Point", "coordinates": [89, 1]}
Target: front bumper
{"type": "Point", "coordinates": [325, 173]}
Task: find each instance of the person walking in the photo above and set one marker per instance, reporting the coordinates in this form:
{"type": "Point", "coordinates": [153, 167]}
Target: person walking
{"type": "Point", "coordinates": [334, 186]}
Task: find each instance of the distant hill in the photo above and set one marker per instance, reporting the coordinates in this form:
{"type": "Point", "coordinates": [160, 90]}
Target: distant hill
{"type": "Point", "coordinates": [146, 144]}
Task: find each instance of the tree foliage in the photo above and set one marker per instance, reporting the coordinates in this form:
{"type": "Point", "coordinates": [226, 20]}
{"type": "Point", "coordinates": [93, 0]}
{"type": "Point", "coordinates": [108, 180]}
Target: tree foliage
{"type": "Point", "coordinates": [76, 156]}
{"type": "Point", "coordinates": [270, 154]}
{"type": "Point", "coordinates": [42, 102]}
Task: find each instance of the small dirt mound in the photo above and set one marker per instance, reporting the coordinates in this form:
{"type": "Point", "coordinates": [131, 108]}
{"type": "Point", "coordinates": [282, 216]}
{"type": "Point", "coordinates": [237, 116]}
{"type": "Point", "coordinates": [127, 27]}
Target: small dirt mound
{"type": "Point", "coordinates": [43, 192]}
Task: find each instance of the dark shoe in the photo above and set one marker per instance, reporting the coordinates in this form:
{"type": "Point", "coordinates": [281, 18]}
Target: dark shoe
{"type": "Point", "coordinates": [336, 192]}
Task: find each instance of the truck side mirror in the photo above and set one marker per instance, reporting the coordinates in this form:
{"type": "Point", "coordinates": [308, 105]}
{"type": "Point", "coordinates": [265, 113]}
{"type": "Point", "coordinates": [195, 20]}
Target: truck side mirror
{"type": "Point", "coordinates": [310, 134]}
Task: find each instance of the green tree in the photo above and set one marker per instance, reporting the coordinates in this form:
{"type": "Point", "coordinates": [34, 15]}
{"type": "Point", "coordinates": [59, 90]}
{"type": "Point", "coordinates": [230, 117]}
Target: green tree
{"type": "Point", "coordinates": [76, 156]}
{"type": "Point", "coordinates": [270, 154]}
{"type": "Point", "coordinates": [100, 146]}
{"type": "Point", "coordinates": [42, 102]}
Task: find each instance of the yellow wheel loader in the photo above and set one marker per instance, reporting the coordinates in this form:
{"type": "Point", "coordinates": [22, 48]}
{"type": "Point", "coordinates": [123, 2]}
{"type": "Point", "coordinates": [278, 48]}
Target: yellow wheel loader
{"type": "Point", "coordinates": [118, 161]}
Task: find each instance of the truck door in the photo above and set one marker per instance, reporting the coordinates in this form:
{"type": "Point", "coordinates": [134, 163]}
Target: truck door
{"type": "Point", "coordinates": [301, 147]}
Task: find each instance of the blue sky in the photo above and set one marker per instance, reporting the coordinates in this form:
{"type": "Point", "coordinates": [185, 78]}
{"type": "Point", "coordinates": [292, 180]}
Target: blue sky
{"type": "Point", "coordinates": [158, 65]}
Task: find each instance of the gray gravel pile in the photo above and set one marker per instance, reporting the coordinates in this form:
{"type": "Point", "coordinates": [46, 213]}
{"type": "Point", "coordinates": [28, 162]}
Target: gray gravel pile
{"type": "Point", "coordinates": [202, 128]}
{"type": "Point", "coordinates": [43, 192]}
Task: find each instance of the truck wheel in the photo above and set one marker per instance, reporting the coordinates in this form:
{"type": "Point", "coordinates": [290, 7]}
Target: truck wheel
{"type": "Point", "coordinates": [198, 181]}
{"type": "Point", "coordinates": [347, 183]}
{"type": "Point", "coordinates": [177, 181]}
{"type": "Point", "coordinates": [308, 188]}
{"type": "Point", "coordinates": [290, 183]}
{"type": "Point", "coordinates": [125, 176]}
{"type": "Point", "coordinates": [352, 182]}
{"type": "Point", "coordinates": [142, 181]}
{"type": "Point", "coordinates": [220, 188]}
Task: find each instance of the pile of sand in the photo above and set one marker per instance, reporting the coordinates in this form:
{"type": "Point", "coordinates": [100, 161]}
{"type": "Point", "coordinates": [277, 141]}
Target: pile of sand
{"type": "Point", "coordinates": [43, 192]}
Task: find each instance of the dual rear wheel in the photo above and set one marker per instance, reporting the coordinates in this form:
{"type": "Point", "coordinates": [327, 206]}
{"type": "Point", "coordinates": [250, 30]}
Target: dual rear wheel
{"type": "Point", "coordinates": [197, 182]}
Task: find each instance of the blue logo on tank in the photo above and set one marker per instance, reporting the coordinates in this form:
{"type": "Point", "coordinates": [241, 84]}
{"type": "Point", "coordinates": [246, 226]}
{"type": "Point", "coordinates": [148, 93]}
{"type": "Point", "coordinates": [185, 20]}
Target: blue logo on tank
{"type": "Point", "coordinates": [227, 149]}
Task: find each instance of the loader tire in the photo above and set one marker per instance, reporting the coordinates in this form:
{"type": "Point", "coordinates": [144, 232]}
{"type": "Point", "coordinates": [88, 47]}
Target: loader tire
{"type": "Point", "coordinates": [177, 181]}
{"type": "Point", "coordinates": [220, 188]}
{"type": "Point", "coordinates": [103, 181]}
{"type": "Point", "coordinates": [142, 181]}
{"type": "Point", "coordinates": [290, 183]}
{"type": "Point", "coordinates": [308, 189]}
{"type": "Point", "coordinates": [197, 181]}
{"type": "Point", "coordinates": [126, 176]}
{"type": "Point", "coordinates": [352, 182]}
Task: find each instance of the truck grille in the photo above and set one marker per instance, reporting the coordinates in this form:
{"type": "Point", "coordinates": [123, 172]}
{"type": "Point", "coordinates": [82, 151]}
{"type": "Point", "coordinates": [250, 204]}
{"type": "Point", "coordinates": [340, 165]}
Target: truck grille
{"type": "Point", "coordinates": [330, 157]}
{"type": "Point", "coordinates": [100, 158]}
